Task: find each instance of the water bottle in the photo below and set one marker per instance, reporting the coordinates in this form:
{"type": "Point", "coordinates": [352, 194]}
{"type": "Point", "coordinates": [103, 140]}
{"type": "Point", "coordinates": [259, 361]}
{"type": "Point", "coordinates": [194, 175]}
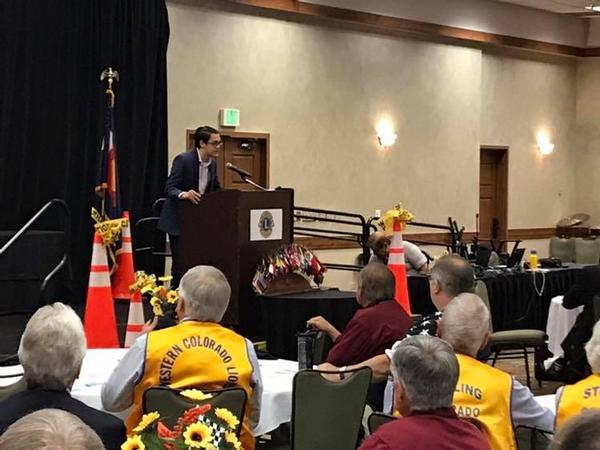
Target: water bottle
{"type": "Point", "coordinates": [533, 260]}
{"type": "Point", "coordinates": [305, 346]}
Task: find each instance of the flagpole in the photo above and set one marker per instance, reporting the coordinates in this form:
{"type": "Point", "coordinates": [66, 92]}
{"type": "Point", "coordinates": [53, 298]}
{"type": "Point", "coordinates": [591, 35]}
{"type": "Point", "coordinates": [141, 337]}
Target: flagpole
{"type": "Point", "coordinates": [110, 75]}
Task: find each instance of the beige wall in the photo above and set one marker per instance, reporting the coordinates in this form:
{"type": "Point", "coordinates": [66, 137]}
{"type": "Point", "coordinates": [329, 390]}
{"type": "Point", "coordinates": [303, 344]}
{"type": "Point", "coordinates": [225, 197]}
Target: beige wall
{"type": "Point", "coordinates": [319, 92]}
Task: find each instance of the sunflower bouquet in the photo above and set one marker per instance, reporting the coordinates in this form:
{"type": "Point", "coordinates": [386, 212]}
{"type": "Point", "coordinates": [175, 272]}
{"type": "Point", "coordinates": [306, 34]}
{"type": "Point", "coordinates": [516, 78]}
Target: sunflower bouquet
{"type": "Point", "coordinates": [200, 426]}
{"type": "Point", "coordinates": [162, 299]}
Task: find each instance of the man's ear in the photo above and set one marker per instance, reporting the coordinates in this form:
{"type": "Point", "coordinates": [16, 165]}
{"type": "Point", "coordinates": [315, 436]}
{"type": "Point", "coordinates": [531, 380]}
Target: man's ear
{"type": "Point", "coordinates": [435, 284]}
{"type": "Point", "coordinates": [486, 339]}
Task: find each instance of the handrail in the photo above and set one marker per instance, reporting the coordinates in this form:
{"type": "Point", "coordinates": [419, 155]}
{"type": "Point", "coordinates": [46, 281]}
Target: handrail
{"type": "Point", "coordinates": [55, 202]}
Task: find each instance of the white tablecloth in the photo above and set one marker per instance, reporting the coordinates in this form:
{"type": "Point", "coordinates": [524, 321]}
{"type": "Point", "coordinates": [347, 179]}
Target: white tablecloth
{"type": "Point", "coordinates": [98, 364]}
{"type": "Point", "coordinates": [560, 322]}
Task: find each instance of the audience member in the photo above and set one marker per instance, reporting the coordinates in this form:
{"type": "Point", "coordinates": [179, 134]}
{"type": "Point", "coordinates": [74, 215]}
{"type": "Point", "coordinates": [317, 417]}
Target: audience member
{"type": "Point", "coordinates": [483, 393]}
{"type": "Point", "coordinates": [572, 400]}
{"type": "Point", "coordinates": [450, 276]}
{"type": "Point", "coordinates": [416, 261]}
{"type": "Point", "coordinates": [50, 429]}
{"type": "Point", "coordinates": [51, 352]}
{"type": "Point", "coordinates": [580, 433]}
{"type": "Point", "coordinates": [195, 353]}
{"type": "Point", "coordinates": [425, 372]}
{"type": "Point", "coordinates": [375, 327]}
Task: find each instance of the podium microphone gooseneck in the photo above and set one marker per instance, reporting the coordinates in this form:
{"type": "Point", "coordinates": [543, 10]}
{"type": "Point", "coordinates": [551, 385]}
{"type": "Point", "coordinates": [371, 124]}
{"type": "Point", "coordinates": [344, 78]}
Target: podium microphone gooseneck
{"type": "Point", "coordinates": [244, 175]}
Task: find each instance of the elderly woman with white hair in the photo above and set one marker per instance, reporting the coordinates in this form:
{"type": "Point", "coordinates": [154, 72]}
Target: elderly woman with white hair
{"type": "Point", "coordinates": [51, 352]}
{"type": "Point", "coordinates": [195, 353]}
{"type": "Point", "coordinates": [573, 399]}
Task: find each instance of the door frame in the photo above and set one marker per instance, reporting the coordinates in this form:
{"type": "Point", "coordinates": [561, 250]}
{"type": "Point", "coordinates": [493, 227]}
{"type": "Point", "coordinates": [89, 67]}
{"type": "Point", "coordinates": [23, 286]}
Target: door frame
{"type": "Point", "coordinates": [501, 186]}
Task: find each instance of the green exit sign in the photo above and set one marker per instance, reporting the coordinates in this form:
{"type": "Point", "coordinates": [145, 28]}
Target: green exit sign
{"type": "Point", "coordinates": [230, 117]}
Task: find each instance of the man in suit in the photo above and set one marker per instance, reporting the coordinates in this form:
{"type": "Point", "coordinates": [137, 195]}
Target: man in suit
{"type": "Point", "coordinates": [51, 352]}
{"type": "Point", "coordinates": [193, 174]}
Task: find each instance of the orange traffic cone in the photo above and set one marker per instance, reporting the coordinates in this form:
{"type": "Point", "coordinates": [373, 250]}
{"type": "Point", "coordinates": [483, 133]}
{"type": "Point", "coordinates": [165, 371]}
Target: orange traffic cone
{"type": "Point", "coordinates": [135, 322]}
{"type": "Point", "coordinates": [397, 265]}
{"type": "Point", "coordinates": [124, 275]}
{"type": "Point", "coordinates": [99, 321]}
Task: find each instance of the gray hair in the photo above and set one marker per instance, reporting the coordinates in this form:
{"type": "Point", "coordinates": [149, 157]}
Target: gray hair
{"type": "Point", "coordinates": [428, 369]}
{"type": "Point", "coordinates": [592, 349]}
{"type": "Point", "coordinates": [465, 323]}
{"type": "Point", "coordinates": [454, 274]}
{"type": "Point", "coordinates": [50, 429]}
{"type": "Point", "coordinates": [377, 282]}
{"type": "Point", "coordinates": [581, 432]}
{"type": "Point", "coordinates": [52, 348]}
{"type": "Point", "coordinates": [205, 292]}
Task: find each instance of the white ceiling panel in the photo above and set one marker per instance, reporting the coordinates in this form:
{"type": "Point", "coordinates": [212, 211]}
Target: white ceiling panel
{"type": "Point", "coordinates": [556, 6]}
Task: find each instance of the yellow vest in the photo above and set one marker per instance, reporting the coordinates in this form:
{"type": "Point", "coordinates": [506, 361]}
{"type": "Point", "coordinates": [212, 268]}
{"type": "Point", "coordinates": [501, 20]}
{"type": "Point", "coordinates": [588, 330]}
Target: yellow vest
{"type": "Point", "coordinates": [201, 355]}
{"type": "Point", "coordinates": [483, 393]}
{"type": "Point", "coordinates": [577, 397]}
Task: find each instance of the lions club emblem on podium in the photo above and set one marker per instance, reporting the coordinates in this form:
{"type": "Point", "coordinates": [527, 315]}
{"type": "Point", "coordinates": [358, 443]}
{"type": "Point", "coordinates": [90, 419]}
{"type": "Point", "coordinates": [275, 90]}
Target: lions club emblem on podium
{"type": "Point", "coordinates": [266, 224]}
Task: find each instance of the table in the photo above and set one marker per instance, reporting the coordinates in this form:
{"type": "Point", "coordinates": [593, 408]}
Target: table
{"type": "Point", "coordinates": [560, 322]}
{"type": "Point", "coordinates": [98, 364]}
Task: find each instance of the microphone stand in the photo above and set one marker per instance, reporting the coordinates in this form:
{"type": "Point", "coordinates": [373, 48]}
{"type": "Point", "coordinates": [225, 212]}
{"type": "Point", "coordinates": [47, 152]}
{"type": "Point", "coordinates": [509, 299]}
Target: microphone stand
{"type": "Point", "coordinates": [252, 183]}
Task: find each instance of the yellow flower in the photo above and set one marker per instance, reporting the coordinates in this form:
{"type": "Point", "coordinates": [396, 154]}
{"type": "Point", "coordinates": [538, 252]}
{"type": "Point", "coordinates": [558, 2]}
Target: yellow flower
{"type": "Point", "coordinates": [157, 290]}
{"type": "Point", "coordinates": [133, 443]}
{"type": "Point", "coordinates": [226, 416]}
{"type": "Point", "coordinates": [195, 394]}
{"type": "Point", "coordinates": [146, 289]}
{"type": "Point", "coordinates": [157, 310]}
{"type": "Point", "coordinates": [198, 435]}
{"type": "Point", "coordinates": [172, 296]}
{"type": "Point", "coordinates": [147, 419]}
{"type": "Point", "coordinates": [233, 440]}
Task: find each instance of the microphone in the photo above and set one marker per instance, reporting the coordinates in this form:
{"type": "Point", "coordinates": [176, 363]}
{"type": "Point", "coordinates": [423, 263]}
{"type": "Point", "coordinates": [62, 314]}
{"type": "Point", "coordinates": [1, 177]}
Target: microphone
{"type": "Point", "coordinates": [241, 172]}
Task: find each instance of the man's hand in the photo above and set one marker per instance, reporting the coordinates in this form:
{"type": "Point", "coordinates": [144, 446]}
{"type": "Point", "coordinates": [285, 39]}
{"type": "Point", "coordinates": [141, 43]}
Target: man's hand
{"type": "Point", "coordinates": [191, 196]}
{"type": "Point", "coordinates": [150, 325]}
{"type": "Point", "coordinates": [320, 323]}
{"type": "Point", "coordinates": [329, 368]}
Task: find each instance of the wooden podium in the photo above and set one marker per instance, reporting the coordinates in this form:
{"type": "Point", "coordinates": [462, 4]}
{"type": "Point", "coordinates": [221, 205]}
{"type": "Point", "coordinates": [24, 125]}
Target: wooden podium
{"type": "Point", "coordinates": [232, 230]}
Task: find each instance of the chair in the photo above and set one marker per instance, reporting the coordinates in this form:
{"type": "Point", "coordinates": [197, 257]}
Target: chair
{"type": "Point", "coordinates": [562, 248]}
{"type": "Point", "coordinates": [377, 419]}
{"type": "Point", "coordinates": [170, 404]}
{"type": "Point", "coordinates": [587, 251]}
{"type": "Point", "coordinates": [328, 414]}
{"type": "Point", "coordinates": [515, 344]}
{"type": "Point", "coordinates": [149, 242]}
{"type": "Point", "coordinates": [532, 438]}
{"type": "Point", "coordinates": [7, 391]}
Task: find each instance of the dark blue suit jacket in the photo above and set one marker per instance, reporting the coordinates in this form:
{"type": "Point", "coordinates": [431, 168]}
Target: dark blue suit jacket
{"type": "Point", "coordinates": [183, 177]}
{"type": "Point", "coordinates": [110, 428]}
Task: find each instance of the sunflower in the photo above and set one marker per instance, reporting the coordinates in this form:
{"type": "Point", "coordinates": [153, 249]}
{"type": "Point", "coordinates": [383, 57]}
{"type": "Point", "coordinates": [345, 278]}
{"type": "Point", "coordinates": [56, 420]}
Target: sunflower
{"type": "Point", "coordinates": [233, 440]}
{"type": "Point", "coordinates": [157, 310]}
{"type": "Point", "coordinates": [172, 296]}
{"type": "Point", "coordinates": [133, 443]}
{"type": "Point", "coordinates": [198, 435]}
{"type": "Point", "coordinates": [147, 419]}
{"type": "Point", "coordinates": [195, 394]}
{"type": "Point", "coordinates": [226, 416]}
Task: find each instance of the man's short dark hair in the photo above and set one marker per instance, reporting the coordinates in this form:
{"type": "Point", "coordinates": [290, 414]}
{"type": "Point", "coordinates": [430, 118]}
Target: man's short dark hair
{"type": "Point", "coordinates": [377, 282]}
{"type": "Point", "coordinates": [203, 134]}
{"type": "Point", "coordinates": [454, 273]}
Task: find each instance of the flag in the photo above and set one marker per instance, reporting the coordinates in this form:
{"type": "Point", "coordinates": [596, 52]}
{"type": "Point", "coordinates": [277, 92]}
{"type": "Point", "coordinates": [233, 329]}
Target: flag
{"type": "Point", "coordinates": [107, 186]}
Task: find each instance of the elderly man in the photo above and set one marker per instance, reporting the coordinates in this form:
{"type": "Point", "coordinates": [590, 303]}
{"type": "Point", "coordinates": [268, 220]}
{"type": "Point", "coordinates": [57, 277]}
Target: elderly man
{"type": "Point", "coordinates": [51, 352]}
{"type": "Point", "coordinates": [425, 372]}
{"type": "Point", "coordinates": [581, 432]}
{"type": "Point", "coordinates": [375, 327]}
{"type": "Point", "coordinates": [450, 276]}
{"type": "Point", "coordinates": [572, 400]}
{"type": "Point", "coordinates": [488, 395]}
{"type": "Point", "coordinates": [195, 353]}
{"type": "Point", "coordinates": [379, 242]}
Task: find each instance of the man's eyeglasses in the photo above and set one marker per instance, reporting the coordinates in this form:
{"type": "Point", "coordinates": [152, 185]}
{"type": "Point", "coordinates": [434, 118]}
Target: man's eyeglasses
{"type": "Point", "coordinates": [217, 144]}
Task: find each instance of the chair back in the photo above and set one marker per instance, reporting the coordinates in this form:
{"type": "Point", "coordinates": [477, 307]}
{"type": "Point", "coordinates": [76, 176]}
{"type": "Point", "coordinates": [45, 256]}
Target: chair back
{"type": "Point", "coordinates": [587, 251]}
{"type": "Point", "coordinates": [328, 414]}
{"type": "Point", "coordinates": [8, 390]}
{"type": "Point", "coordinates": [482, 292]}
{"type": "Point", "coordinates": [377, 419]}
{"type": "Point", "coordinates": [170, 404]}
{"type": "Point", "coordinates": [562, 248]}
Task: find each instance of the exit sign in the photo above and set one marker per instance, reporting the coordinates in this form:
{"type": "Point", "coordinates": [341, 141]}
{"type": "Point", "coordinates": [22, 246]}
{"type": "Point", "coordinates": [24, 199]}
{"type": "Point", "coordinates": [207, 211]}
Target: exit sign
{"type": "Point", "coordinates": [230, 117]}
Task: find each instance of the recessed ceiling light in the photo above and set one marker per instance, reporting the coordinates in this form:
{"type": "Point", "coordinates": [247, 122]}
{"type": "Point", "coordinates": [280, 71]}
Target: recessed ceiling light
{"type": "Point", "coordinates": [595, 8]}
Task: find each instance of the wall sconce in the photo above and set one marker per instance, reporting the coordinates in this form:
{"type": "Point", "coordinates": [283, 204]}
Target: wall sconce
{"type": "Point", "coordinates": [544, 145]}
{"type": "Point", "coordinates": [386, 134]}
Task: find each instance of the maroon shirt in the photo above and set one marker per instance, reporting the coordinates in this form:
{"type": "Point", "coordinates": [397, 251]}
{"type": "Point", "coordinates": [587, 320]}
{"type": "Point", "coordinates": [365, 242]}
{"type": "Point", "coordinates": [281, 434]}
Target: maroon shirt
{"type": "Point", "coordinates": [439, 429]}
{"type": "Point", "coordinates": [369, 333]}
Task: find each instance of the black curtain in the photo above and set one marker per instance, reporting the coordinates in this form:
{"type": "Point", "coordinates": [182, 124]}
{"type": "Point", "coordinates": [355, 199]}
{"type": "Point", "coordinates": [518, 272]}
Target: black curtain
{"type": "Point", "coordinates": [52, 109]}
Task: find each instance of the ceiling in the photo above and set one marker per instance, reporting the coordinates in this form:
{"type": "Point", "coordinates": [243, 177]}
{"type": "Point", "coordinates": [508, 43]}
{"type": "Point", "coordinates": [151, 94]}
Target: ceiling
{"type": "Point", "coordinates": [557, 6]}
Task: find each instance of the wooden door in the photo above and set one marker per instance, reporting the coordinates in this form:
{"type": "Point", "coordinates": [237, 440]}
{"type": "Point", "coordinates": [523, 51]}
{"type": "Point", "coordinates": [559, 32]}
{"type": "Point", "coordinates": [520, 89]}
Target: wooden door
{"type": "Point", "coordinates": [248, 151]}
{"type": "Point", "coordinates": [493, 194]}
